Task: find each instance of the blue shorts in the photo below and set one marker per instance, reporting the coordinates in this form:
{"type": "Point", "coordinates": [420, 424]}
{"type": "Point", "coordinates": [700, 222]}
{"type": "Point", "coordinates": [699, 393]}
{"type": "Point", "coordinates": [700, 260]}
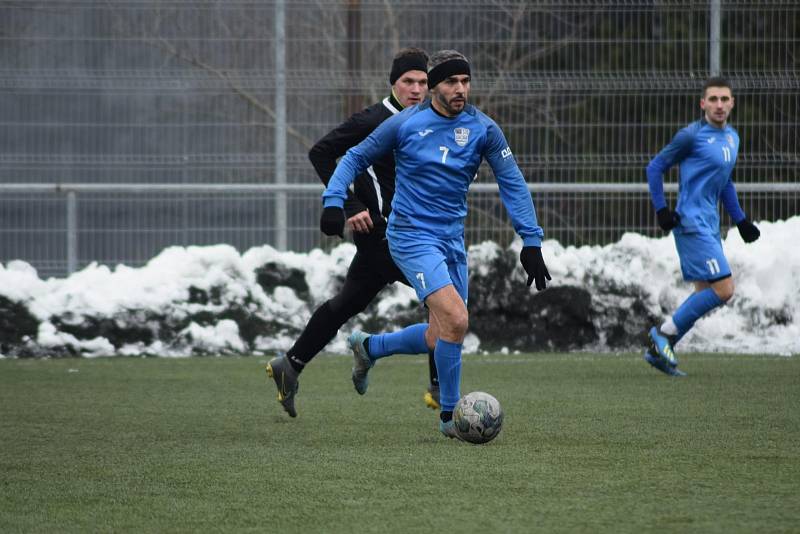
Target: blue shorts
{"type": "Point", "coordinates": [701, 256]}
{"type": "Point", "coordinates": [429, 262]}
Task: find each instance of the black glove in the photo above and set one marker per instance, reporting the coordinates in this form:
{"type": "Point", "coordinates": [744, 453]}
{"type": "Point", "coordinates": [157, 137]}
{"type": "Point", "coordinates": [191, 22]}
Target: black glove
{"type": "Point", "coordinates": [533, 263]}
{"type": "Point", "coordinates": [332, 221]}
{"type": "Point", "coordinates": [748, 230]}
{"type": "Point", "coordinates": [667, 219]}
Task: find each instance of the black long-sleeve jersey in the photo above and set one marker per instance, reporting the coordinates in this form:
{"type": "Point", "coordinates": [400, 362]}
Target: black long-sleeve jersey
{"type": "Point", "coordinates": [374, 189]}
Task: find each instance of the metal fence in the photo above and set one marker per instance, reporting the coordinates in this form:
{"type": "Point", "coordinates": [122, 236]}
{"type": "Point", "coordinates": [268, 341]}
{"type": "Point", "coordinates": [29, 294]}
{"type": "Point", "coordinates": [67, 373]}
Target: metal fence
{"type": "Point", "coordinates": [200, 92]}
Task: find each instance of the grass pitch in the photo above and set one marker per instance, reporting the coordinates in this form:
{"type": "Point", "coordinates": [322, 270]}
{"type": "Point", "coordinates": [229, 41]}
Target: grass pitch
{"type": "Point", "coordinates": [591, 443]}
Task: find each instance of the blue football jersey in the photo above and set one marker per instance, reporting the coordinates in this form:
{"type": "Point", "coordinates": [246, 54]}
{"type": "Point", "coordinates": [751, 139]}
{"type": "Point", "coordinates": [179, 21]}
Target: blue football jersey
{"type": "Point", "coordinates": [436, 160]}
{"type": "Point", "coordinates": [706, 156]}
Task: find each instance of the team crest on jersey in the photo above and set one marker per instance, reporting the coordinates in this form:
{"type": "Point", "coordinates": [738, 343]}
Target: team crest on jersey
{"type": "Point", "coordinates": [729, 137]}
{"type": "Point", "coordinates": [462, 136]}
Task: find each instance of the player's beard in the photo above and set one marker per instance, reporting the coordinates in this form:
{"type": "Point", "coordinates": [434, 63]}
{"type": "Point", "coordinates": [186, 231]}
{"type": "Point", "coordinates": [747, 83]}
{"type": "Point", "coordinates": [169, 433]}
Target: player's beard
{"type": "Point", "coordinates": [452, 108]}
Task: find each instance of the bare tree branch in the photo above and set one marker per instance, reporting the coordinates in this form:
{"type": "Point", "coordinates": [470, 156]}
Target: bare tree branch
{"type": "Point", "coordinates": [152, 39]}
{"type": "Point", "coordinates": [235, 88]}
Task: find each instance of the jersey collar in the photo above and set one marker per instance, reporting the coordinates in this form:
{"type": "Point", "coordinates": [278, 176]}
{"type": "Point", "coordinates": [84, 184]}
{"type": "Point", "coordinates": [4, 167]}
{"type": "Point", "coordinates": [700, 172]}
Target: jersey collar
{"type": "Point", "coordinates": [391, 103]}
{"type": "Point", "coordinates": [704, 122]}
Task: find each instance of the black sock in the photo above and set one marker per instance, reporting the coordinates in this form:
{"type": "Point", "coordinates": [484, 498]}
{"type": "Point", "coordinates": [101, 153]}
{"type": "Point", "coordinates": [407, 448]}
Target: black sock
{"type": "Point", "coordinates": [446, 416]}
{"type": "Point", "coordinates": [296, 363]}
{"type": "Point", "coordinates": [432, 369]}
{"type": "Point", "coordinates": [320, 330]}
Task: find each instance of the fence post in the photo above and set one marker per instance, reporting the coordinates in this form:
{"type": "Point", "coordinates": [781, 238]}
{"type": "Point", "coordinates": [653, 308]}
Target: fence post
{"type": "Point", "coordinates": [281, 221]}
{"type": "Point", "coordinates": [713, 45]}
{"type": "Point", "coordinates": [72, 232]}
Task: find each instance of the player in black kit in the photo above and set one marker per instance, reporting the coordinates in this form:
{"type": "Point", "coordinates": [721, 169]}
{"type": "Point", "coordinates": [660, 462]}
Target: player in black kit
{"type": "Point", "coordinates": [367, 210]}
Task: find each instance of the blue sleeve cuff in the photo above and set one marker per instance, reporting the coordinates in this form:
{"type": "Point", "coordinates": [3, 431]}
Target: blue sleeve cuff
{"type": "Point", "coordinates": [534, 241]}
{"type": "Point", "coordinates": [332, 202]}
{"type": "Point", "coordinates": [731, 203]}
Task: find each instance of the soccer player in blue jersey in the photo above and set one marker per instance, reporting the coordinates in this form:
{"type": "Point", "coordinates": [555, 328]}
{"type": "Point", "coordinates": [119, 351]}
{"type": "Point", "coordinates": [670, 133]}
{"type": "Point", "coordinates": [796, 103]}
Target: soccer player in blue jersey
{"type": "Point", "coordinates": [706, 152]}
{"type": "Point", "coordinates": [438, 146]}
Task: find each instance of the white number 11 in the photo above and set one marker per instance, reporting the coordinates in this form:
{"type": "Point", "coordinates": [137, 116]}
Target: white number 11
{"type": "Point", "coordinates": [444, 150]}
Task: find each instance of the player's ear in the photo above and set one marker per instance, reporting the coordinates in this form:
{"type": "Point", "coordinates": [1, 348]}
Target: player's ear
{"type": "Point", "coordinates": [703, 103]}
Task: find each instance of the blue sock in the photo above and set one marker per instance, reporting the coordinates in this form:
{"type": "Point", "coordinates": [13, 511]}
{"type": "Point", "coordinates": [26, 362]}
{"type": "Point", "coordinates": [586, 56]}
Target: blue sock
{"type": "Point", "coordinates": [694, 307]}
{"type": "Point", "coordinates": [448, 365]}
{"type": "Point", "coordinates": [409, 340]}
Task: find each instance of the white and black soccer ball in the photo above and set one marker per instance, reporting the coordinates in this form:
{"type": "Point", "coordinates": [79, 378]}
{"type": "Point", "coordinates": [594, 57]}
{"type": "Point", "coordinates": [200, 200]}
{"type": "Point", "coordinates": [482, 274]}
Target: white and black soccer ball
{"type": "Point", "coordinates": [478, 417]}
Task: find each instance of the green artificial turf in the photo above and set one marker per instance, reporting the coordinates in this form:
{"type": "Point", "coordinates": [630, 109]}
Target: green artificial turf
{"type": "Point", "coordinates": [591, 443]}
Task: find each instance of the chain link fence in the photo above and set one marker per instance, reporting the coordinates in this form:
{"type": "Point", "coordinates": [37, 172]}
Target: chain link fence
{"type": "Point", "coordinates": [145, 92]}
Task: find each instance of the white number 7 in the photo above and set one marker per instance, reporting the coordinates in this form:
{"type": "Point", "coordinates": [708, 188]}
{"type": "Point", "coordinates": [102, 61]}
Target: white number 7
{"type": "Point", "coordinates": [444, 150]}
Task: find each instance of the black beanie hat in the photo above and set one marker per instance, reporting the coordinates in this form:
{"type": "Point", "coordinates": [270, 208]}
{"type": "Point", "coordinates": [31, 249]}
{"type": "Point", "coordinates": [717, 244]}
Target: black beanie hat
{"type": "Point", "coordinates": [407, 62]}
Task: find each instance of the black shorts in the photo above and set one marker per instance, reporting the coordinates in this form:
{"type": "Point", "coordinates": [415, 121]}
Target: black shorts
{"type": "Point", "coordinates": [373, 261]}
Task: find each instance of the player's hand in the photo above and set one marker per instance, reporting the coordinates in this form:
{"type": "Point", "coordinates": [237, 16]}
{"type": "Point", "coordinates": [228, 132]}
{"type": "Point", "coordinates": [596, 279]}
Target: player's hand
{"type": "Point", "coordinates": [667, 219]}
{"type": "Point", "coordinates": [533, 263]}
{"type": "Point", "coordinates": [360, 222]}
{"type": "Point", "coordinates": [332, 221]}
{"type": "Point", "coordinates": [748, 231]}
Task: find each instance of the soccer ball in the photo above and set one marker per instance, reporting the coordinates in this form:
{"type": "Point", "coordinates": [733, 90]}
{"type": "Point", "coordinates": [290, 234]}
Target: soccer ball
{"type": "Point", "coordinates": [478, 417]}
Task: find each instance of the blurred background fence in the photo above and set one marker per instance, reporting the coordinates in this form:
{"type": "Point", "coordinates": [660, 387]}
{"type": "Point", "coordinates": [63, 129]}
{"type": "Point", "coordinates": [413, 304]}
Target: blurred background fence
{"type": "Point", "coordinates": [130, 125]}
